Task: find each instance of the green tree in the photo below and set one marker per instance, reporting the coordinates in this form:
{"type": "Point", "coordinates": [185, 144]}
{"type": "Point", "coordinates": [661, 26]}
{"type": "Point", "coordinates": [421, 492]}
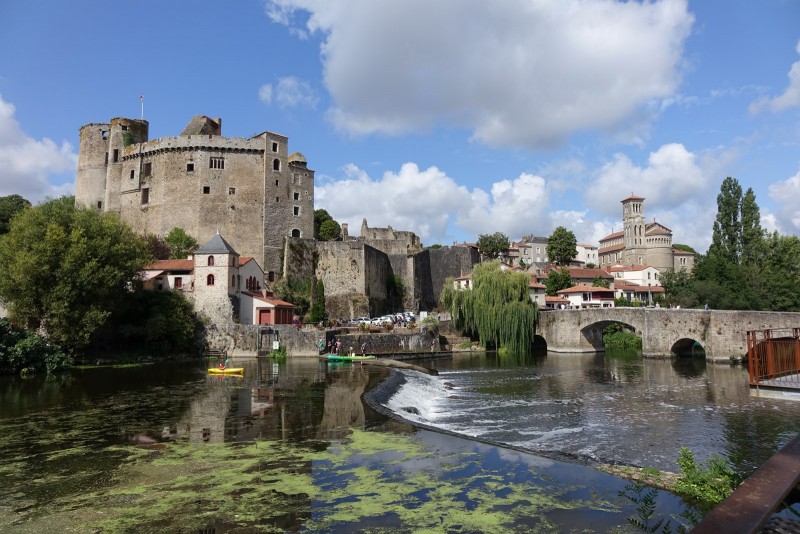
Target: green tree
{"type": "Point", "coordinates": [562, 246]}
{"type": "Point", "coordinates": [492, 245]}
{"type": "Point", "coordinates": [557, 279]}
{"type": "Point", "coordinates": [9, 206]}
{"type": "Point", "coordinates": [599, 281]}
{"type": "Point", "coordinates": [498, 308]}
{"type": "Point", "coordinates": [181, 244]}
{"type": "Point", "coordinates": [752, 236]}
{"type": "Point", "coordinates": [679, 288]}
{"type": "Point", "coordinates": [329, 230]}
{"type": "Point", "coordinates": [157, 247]}
{"type": "Point", "coordinates": [726, 239]}
{"type": "Point", "coordinates": [65, 268]}
{"type": "Point", "coordinates": [317, 311]}
{"type": "Point", "coordinates": [320, 217]}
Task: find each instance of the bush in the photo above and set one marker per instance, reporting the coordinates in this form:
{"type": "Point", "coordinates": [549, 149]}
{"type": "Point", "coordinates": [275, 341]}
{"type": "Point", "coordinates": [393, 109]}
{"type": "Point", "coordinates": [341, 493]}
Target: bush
{"type": "Point", "coordinates": [279, 354]}
{"type": "Point", "coordinates": [707, 485]}
{"type": "Point", "coordinates": [21, 350]}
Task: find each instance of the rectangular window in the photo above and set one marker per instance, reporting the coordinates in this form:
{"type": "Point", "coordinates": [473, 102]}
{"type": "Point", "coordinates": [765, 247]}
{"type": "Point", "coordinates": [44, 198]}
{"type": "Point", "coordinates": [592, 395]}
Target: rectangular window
{"type": "Point", "coordinates": [231, 190]}
{"type": "Point", "coordinates": [133, 174]}
{"type": "Point", "coordinates": [116, 155]}
{"type": "Point", "coordinates": [105, 135]}
{"type": "Point", "coordinates": [274, 146]}
{"type": "Point", "coordinates": [297, 196]}
{"type": "Point", "coordinates": [271, 276]}
{"type": "Point", "coordinates": [178, 282]}
{"type": "Point", "coordinates": [106, 158]}
{"type": "Point", "coordinates": [124, 127]}
{"type": "Point", "coordinates": [206, 190]}
{"type": "Point", "coordinates": [99, 205]}
{"type": "Point", "coordinates": [147, 169]}
{"type": "Point", "coordinates": [297, 210]}
{"type": "Point", "coordinates": [216, 163]}
{"type": "Point", "coordinates": [145, 196]}
{"type": "Point", "coordinates": [276, 183]}
{"type": "Point", "coordinates": [277, 199]}
{"type": "Point", "coordinates": [190, 167]}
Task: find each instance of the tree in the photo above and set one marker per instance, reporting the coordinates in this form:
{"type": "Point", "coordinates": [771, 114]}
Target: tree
{"type": "Point", "coordinates": [317, 311]}
{"type": "Point", "coordinates": [329, 230]}
{"type": "Point", "coordinates": [726, 239]}
{"type": "Point", "coordinates": [492, 245]}
{"type": "Point", "coordinates": [181, 244]}
{"type": "Point", "coordinates": [9, 206]}
{"type": "Point", "coordinates": [498, 308]}
{"type": "Point", "coordinates": [557, 279]}
{"type": "Point", "coordinates": [752, 236]}
{"type": "Point", "coordinates": [599, 281]}
{"type": "Point", "coordinates": [562, 246]}
{"type": "Point", "coordinates": [157, 247]}
{"type": "Point", "coordinates": [65, 268]}
{"type": "Point", "coordinates": [320, 217]}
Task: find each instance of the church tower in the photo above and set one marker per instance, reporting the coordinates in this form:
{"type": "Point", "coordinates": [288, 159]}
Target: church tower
{"type": "Point", "coordinates": [634, 229]}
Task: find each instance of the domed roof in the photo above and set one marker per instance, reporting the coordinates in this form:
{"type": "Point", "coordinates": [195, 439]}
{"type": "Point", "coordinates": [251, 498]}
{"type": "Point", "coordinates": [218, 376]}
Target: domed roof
{"type": "Point", "coordinates": [297, 157]}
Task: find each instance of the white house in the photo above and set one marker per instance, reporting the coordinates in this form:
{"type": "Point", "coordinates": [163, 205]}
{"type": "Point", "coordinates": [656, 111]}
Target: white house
{"type": "Point", "coordinates": [583, 296]}
{"type": "Point", "coordinates": [643, 275]}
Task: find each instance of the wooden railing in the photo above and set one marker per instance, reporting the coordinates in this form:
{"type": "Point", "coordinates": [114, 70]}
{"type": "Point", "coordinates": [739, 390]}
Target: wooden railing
{"type": "Point", "coordinates": [773, 357]}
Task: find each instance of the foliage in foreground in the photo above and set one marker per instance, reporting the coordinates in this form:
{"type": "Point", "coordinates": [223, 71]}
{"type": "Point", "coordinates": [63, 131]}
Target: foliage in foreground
{"type": "Point", "coordinates": [66, 268]}
{"type": "Point", "coordinates": [498, 308]}
{"type": "Point", "coordinates": [23, 350]}
{"type": "Point", "coordinates": [707, 485]}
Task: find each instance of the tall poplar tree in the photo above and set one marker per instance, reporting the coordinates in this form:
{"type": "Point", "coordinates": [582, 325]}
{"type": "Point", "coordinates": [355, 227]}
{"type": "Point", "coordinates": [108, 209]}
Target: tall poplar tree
{"type": "Point", "coordinates": [726, 239]}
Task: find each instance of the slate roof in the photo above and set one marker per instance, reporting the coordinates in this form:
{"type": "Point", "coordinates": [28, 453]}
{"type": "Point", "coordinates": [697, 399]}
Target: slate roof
{"type": "Point", "coordinates": [216, 245]}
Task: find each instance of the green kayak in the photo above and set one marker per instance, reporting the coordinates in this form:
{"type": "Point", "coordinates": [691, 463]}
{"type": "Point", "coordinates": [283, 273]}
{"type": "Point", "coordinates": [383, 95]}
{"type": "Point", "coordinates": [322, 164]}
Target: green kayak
{"type": "Point", "coordinates": [345, 358]}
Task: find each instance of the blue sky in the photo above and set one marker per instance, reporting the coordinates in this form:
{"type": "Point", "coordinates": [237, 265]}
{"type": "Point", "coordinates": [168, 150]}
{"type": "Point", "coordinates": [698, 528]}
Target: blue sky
{"type": "Point", "coordinates": [451, 118]}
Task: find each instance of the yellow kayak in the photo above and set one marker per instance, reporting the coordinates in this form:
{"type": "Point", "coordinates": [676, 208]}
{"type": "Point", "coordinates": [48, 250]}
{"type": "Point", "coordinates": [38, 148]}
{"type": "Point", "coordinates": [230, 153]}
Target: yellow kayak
{"type": "Point", "coordinates": [226, 371]}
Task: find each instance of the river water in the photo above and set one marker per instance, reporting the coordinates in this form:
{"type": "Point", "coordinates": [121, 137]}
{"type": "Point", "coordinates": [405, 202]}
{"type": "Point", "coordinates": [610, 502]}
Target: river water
{"type": "Point", "coordinates": [294, 447]}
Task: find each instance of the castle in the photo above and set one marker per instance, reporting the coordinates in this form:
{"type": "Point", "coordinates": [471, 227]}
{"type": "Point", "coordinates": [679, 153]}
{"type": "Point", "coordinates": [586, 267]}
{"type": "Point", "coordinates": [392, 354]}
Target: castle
{"type": "Point", "coordinates": [252, 190]}
{"type": "Point", "coordinates": [641, 243]}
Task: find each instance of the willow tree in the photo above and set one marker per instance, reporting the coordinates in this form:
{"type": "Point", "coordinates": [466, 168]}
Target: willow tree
{"type": "Point", "coordinates": [498, 308]}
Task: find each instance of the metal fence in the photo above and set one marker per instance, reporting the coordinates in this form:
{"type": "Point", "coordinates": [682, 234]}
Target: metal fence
{"type": "Point", "coordinates": [774, 357]}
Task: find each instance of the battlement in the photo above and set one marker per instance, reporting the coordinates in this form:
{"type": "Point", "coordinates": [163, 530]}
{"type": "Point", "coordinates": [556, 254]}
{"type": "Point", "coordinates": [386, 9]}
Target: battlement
{"type": "Point", "coordinates": [196, 142]}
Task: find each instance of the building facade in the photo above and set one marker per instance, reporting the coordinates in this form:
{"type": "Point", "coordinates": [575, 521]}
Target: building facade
{"type": "Point", "coordinates": [641, 243]}
{"type": "Point", "coordinates": [252, 190]}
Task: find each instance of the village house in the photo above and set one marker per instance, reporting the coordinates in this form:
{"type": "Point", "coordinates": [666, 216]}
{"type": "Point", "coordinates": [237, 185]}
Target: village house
{"type": "Point", "coordinates": [585, 296]}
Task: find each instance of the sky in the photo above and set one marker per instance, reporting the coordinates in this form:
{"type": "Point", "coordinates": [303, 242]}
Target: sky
{"type": "Point", "coordinates": [451, 119]}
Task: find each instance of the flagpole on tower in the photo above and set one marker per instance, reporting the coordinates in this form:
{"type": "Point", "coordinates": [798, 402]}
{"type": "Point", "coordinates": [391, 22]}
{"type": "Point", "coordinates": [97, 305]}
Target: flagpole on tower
{"type": "Point", "coordinates": [141, 99]}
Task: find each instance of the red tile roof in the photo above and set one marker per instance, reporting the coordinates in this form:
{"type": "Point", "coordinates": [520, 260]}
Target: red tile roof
{"type": "Point", "coordinates": [582, 272]}
{"type": "Point", "coordinates": [584, 288]}
{"type": "Point", "coordinates": [171, 265]}
{"type": "Point", "coordinates": [612, 236]}
{"type": "Point", "coordinates": [613, 248]}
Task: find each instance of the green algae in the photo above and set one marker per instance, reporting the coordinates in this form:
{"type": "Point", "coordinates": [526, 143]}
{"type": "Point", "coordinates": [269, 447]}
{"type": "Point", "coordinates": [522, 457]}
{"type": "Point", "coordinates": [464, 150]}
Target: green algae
{"type": "Point", "coordinates": [369, 479]}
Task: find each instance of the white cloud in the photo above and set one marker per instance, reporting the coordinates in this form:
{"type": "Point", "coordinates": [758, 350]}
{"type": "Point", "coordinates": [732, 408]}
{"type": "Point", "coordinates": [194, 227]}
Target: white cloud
{"type": "Point", "coordinates": [519, 72]}
{"type": "Point", "coordinates": [27, 165]}
{"type": "Point", "coordinates": [789, 98]}
{"type": "Point", "coordinates": [289, 92]}
{"type": "Point", "coordinates": [672, 176]}
{"type": "Point", "coordinates": [785, 194]}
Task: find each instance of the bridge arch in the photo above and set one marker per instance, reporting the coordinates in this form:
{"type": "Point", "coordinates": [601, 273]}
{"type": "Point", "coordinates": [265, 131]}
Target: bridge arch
{"type": "Point", "coordinates": [593, 333]}
{"type": "Point", "coordinates": [688, 348]}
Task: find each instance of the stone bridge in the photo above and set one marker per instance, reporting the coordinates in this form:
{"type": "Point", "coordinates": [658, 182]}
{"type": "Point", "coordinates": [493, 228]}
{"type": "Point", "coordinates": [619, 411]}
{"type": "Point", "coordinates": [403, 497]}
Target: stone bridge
{"type": "Point", "coordinates": [664, 331]}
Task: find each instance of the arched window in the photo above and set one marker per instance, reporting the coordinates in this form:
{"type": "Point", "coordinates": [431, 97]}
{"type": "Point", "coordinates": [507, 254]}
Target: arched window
{"type": "Point", "coordinates": [211, 261]}
{"type": "Point", "coordinates": [295, 233]}
{"type": "Point", "coordinates": [276, 164]}
{"type": "Point", "coordinates": [210, 280]}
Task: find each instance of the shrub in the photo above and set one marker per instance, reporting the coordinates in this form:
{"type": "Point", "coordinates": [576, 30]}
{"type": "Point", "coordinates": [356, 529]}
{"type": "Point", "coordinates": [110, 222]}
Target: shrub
{"type": "Point", "coordinates": [707, 485]}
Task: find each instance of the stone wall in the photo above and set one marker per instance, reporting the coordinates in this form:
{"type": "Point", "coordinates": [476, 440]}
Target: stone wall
{"type": "Point", "coordinates": [433, 266]}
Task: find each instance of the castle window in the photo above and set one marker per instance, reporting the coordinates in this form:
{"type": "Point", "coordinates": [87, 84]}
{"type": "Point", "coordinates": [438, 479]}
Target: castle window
{"type": "Point", "coordinates": [276, 183]}
{"type": "Point", "coordinates": [190, 167]}
{"type": "Point", "coordinates": [133, 174]}
{"type": "Point", "coordinates": [145, 196]}
{"type": "Point", "coordinates": [274, 146]}
{"type": "Point", "coordinates": [231, 190]}
{"type": "Point", "coordinates": [106, 158]}
{"type": "Point", "coordinates": [271, 276]}
{"type": "Point", "coordinates": [99, 205]}
{"type": "Point", "coordinates": [295, 233]}
{"type": "Point", "coordinates": [276, 164]}
{"type": "Point", "coordinates": [206, 190]}
{"type": "Point", "coordinates": [210, 280]}
{"type": "Point", "coordinates": [178, 282]}
{"type": "Point", "coordinates": [297, 196]}
{"type": "Point", "coordinates": [148, 168]}
{"type": "Point", "coordinates": [104, 134]}
{"type": "Point", "coordinates": [211, 261]}
{"type": "Point", "coordinates": [116, 155]}
{"type": "Point", "coordinates": [233, 280]}
{"type": "Point", "coordinates": [124, 127]}
{"type": "Point", "coordinates": [216, 163]}
{"type": "Point", "coordinates": [277, 199]}
{"type": "Point", "coordinates": [297, 210]}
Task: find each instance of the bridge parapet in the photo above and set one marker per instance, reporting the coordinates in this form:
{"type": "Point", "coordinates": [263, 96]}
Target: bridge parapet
{"type": "Point", "coordinates": [721, 333]}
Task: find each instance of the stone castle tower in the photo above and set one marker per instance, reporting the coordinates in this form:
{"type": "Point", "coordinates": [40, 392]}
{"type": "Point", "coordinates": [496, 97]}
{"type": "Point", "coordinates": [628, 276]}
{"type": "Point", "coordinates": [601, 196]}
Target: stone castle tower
{"type": "Point", "coordinates": [252, 190]}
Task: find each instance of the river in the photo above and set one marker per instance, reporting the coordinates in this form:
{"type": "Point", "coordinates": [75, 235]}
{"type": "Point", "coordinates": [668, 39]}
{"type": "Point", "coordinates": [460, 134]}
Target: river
{"type": "Point", "coordinates": [293, 447]}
